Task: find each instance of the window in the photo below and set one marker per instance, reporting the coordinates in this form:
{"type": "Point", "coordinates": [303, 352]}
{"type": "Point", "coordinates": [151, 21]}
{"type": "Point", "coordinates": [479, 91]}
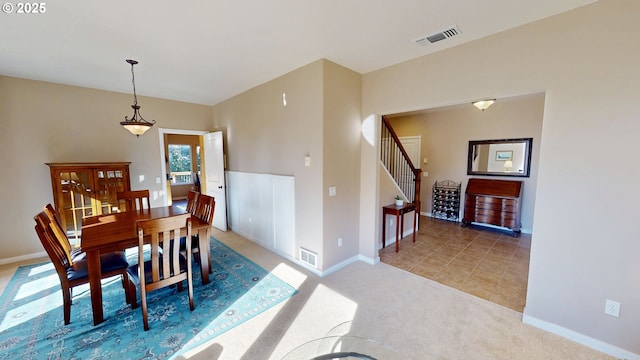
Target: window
{"type": "Point", "coordinates": [180, 164]}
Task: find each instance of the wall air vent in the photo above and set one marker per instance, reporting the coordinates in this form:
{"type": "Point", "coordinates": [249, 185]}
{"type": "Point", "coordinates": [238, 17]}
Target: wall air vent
{"type": "Point", "coordinates": [309, 257]}
{"type": "Point", "coordinates": [444, 34]}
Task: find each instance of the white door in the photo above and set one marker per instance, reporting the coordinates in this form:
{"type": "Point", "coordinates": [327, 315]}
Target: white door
{"type": "Point", "coordinates": [412, 146]}
{"type": "Point", "coordinates": [214, 177]}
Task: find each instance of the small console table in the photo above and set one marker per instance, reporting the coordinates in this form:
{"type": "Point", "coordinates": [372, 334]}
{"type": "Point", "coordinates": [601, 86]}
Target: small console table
{"type": "Point", "coordinates": [398, 211]}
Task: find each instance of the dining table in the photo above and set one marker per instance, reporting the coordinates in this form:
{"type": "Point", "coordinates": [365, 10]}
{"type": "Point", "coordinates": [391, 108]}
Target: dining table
{"type": "Point", "coordinates": [117, 232]}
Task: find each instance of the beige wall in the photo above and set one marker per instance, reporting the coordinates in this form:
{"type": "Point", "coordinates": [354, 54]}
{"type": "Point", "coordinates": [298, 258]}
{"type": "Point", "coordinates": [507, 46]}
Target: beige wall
{"type": "Point", "coordinates": [445, 141]}
{"type": "Point", "coordinates": [321, 120]}
{"type": "Point", "coordinates": [43, 122]}
{"type": "Point", "coordinates": [342, 133]}
{"type": "Point", "coordinates": [584, 245]}
{"type": "Point", "coordinates": [264, 136]}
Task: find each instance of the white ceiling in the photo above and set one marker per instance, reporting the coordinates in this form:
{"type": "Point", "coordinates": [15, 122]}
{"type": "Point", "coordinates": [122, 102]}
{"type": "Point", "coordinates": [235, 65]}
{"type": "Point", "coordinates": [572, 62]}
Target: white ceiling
{"type": "Point", "coordinates": [208, 51]}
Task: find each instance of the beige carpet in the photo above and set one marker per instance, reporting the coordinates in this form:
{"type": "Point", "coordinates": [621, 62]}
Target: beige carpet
{"type": "Point", "coordinates": [418, 317]}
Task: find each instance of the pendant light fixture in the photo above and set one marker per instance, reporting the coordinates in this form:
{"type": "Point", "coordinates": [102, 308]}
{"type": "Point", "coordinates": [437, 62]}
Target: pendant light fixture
{"type": "Point", "coordinates": [137, 125]}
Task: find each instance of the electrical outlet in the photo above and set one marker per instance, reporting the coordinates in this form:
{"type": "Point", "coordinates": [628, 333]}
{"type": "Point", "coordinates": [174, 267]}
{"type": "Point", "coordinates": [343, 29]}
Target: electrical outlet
{"type": "Point", "coordinates": [612, 308]}
{"type": "Point", "coordinates": [339, 242]}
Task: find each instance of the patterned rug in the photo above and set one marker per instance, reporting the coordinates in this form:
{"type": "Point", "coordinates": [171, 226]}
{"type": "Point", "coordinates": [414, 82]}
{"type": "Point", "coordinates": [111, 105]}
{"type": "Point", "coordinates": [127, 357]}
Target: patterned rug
{"type": "Point", "coordinates": [32, 324]}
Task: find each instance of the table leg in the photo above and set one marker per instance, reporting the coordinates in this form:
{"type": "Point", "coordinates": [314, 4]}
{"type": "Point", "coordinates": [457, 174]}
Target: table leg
{"type": "Point", "coordinates": [402, 225]}
{"type": "Point", "coordinates": [415, 224]}
{"type": "Point", "coordinates": [203, 242]}
{"type": "Point", "coordinates": [397, 228]}
{"type": "Point", "coordinates": [95, 285]}
{"type": "Point", "coordinates": [384, 229]}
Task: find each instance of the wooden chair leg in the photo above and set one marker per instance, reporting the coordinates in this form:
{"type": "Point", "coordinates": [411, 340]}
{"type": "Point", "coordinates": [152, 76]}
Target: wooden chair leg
{"type": "Point", "coordinates": [133, 301]}
{"type": "Point", "coordinates": [143, 300]}
{"type": "Point", "coordinates": [66, 305]}
{"type": "Point", "coordinates": [125, 285]}
{"type": "Point", "coordinates": [190, 291]}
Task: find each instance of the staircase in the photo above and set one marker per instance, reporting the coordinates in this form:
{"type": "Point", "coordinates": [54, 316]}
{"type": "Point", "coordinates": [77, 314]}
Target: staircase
{"type": "Point", "coordinates": [395, 159]}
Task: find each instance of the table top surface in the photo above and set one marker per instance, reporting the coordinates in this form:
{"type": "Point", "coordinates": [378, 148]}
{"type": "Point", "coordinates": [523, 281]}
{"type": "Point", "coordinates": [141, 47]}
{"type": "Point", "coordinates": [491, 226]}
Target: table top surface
{"type": "Point", "coordinates": [103, 230]}
{"type": "Point", "coordinates": [405, 206]}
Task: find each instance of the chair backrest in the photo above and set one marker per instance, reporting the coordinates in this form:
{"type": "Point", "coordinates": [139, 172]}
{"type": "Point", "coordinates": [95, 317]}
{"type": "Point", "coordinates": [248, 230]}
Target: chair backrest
{"type": "Point", "coordinates": [192, 199]}
{"type": "Point", "coordinates": [56, 227]}
{"type": "Point", "coordinates": [134, 200]}
{"type": "Point", "coordinates": [53, 214]}
{"type": "Point", "coordinates": [164, 245]}
{"type": "Point", "coordinates": [205, 207]}
{"type": "Point", "coordinates": [59, 257]}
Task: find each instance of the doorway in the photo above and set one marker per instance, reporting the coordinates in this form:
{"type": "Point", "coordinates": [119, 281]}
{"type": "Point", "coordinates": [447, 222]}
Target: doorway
{"type": "Point", "coordinates": [211, 178]}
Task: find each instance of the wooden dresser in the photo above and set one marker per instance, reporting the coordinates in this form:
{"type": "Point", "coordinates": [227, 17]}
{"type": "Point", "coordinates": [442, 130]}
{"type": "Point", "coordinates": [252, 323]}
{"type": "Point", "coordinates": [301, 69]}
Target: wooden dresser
{"type": "Point", "coordinates": [493, 202]}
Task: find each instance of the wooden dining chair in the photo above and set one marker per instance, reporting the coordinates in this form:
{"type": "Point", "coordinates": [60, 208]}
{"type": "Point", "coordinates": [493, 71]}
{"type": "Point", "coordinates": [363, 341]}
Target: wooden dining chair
{"type": "Point", "coordinates": [56, 225]}
{"type": "Point", "coordinates": [134, 200]}
{"type": "Point", "coordinates": [192, 200]}
{"type": "Point", "coordinates": [205, 209]}
{"type": "Point", "coordinates": [72, 271]}
{"type": "Point", "coordinates": [166, 265]}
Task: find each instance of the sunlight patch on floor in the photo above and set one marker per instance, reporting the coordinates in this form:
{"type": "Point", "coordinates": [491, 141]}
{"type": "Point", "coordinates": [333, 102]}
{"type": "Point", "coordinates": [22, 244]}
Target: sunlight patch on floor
{"type": "Point", "coordinates": [37, 270]}
{"type": "Point", "coordinates": [289, 275]}
{"type": "Point", "coordinates": [30, 310]}
{"type": "Point", "coordinates": [35, 286]}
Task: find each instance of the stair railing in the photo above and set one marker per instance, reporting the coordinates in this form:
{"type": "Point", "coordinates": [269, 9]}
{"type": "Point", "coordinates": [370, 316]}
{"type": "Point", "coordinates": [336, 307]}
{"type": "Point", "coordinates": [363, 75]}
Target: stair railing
{"type": "Point", "coordinates": [397, 161]}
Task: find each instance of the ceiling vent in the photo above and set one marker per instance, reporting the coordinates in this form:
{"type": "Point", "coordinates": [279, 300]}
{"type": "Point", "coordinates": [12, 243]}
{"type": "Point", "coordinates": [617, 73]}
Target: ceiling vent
{"type": "Point", "coordinates": [444, 34]}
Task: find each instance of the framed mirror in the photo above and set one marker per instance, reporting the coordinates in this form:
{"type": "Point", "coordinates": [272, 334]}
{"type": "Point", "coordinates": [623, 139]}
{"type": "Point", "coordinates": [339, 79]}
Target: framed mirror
{"type": "Point", "coordinates": [503, 157]}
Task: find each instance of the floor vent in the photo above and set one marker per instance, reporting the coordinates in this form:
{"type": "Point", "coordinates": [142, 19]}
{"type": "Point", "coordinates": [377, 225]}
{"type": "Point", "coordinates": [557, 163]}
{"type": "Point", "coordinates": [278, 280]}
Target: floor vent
{"type": "Point", "coordinates": [444, 34]}
{"type": "Point", "coordinates": [309, 257]}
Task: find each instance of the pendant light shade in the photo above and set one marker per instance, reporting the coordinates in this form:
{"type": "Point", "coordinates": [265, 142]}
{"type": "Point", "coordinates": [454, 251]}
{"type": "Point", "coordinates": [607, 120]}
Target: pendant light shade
{"type": "Point", "coordinates": [137, 125]}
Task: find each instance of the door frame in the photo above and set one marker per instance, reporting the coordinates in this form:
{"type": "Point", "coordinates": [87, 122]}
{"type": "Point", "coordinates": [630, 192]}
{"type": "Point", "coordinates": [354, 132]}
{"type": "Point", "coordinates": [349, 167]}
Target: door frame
{"type": "Point", "coordinates": [163, 166]}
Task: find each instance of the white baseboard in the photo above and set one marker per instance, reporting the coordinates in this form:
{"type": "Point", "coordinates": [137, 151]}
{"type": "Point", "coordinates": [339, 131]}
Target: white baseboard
{"type": "Point", "coordinates": [22, 258]}
{"type": "Point", "coordinates": [339, 266]}
{"type": "Point", "coordinates": [580, 338]}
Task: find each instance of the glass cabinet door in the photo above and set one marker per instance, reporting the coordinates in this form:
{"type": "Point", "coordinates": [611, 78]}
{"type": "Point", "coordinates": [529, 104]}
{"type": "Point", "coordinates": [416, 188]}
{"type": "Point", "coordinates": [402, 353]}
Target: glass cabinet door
{"type": "Point", "coordinates": [75, 199]}
{"type": "Point", "coordinates": [86, 189]}
{"type": "Point", "coordinates": [108, 183]}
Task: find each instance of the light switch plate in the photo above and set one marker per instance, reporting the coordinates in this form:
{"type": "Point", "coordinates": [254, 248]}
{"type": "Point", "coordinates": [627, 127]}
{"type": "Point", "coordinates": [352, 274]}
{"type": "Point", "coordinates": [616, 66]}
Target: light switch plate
{"type": "Point", "coordinates": [332, 191]}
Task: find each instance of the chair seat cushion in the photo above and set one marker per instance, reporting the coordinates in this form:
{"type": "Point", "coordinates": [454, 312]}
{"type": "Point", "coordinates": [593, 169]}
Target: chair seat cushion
{"type": "Point", "coordinates": [108, 263]}
{"type": "Point", "coordinates": [134, 275]}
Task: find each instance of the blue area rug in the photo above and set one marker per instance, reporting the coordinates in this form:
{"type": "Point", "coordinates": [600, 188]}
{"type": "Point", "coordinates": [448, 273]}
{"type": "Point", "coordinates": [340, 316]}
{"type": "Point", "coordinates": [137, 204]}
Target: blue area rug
{"type": "Point", "coordinates": [32, 324]}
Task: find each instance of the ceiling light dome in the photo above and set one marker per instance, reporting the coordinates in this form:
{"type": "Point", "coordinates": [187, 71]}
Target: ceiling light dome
{"type": "Point", "coordinates": [483, 104]}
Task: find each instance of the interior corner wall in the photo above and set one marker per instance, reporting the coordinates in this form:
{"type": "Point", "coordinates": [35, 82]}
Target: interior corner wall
{"type": "Point", "coordinates": [342, 89]}
{"type": "Point", "coordinates": [43, 122]}
{"type": "Point", "coordinates": [584, 247]}
{"type": "Point", "coordinates": [265, 136]}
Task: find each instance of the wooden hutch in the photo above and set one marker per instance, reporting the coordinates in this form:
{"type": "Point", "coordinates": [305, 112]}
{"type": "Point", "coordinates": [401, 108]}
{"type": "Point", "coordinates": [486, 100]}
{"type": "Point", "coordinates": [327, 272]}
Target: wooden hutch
{"type": "Point", "coordinates": [86, 189]}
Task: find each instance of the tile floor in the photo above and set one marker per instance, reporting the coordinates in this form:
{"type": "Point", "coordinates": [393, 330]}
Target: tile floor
{"type": "Point", "coordinates": [485, 263]}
